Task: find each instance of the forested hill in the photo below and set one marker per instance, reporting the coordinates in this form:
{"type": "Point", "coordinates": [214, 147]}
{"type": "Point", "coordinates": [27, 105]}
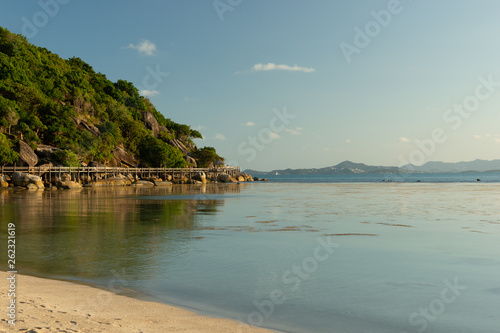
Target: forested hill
{"type": "Point", "coordinates": [70, 115]}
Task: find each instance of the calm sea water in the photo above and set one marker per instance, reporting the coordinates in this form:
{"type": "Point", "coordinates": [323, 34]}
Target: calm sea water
{"type": "Point", "coordinates": [464, 177]}
{"type": "Point", "coordinates": [296, 256]}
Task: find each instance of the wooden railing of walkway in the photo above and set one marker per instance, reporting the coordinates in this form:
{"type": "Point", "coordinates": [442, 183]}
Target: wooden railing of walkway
{"type": "Point", "coordinates": [50, 173]}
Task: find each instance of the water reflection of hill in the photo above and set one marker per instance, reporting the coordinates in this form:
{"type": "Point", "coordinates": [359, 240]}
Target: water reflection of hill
{"type": "Point", "coordinates": [93, 232]}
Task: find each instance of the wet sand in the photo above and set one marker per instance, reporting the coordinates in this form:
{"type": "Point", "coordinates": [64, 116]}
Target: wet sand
{"type": "Point", "coordinates": [45, 305]}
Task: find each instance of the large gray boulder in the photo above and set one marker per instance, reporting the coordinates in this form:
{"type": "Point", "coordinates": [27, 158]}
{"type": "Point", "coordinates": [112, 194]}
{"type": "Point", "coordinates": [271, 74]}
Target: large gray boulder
{"type": "Point", "coordinates": [191, 161]}
{"type": "Point", "coordinates": [225, 178]}
{"type": "Point", "coordinates": [200, 176]}
{"type": "Point", "coordinates": [20, 179]}
{"type": "Point", "coordinates": [124, 157]}
{"type": "Point", "coordinates": [23, 179]}
{"type": "Point", "coordinates": [151, 123]}
{"type": "Point", "coordinates": [27, 155]}
{"type": "Point", "coordinates": [244, 177]}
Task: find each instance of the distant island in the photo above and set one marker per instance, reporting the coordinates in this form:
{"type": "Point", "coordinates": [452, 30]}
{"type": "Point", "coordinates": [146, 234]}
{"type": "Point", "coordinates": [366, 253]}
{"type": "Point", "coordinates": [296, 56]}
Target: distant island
{"type": "Point", "coordinates": [348, 167]}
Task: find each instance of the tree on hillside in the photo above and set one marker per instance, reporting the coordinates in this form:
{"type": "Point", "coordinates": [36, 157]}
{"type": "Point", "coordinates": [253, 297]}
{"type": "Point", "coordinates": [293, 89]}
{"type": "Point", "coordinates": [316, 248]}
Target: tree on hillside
{"type": "Point", "coordinates": [196, 135]}
{"type": "Point", "coordinates": [205, 156]}
{"type": "Point", "coordinates": [7, 155]}
{"type": "Point", "coordinates": [8, 115]}
{"type": "Point", "coordinates": [67, 158]}
{"type": "Point", "coordinates": [156, 153]}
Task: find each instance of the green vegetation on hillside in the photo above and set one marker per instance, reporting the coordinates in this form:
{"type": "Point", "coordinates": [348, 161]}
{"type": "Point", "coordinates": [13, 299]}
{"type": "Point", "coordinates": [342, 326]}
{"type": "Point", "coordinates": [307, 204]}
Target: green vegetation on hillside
{"type": "Point", "coordinates": [45, 99]}
{"type": "Point", "coordinates": [7, 154]}
{"type": "Point", "coordinates": [205, 156]}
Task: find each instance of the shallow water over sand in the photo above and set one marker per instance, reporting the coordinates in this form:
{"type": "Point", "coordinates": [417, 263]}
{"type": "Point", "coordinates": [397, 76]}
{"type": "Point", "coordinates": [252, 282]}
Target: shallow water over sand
{"type": "Point", "coordinates": [335, 257]}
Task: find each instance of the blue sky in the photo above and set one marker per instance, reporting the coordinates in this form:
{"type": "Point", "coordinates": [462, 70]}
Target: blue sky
{"type": "Point", "coordinates": [298, 84]}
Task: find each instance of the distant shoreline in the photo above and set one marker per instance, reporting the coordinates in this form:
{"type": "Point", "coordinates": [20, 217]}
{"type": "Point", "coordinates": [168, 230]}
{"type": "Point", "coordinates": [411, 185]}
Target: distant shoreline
{"type": "Point", "coordinates": [348, 167]}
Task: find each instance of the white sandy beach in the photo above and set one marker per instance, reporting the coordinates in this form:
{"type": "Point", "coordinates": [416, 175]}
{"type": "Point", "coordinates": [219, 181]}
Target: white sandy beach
{"type": "Point", "coordinates": [45, 305]}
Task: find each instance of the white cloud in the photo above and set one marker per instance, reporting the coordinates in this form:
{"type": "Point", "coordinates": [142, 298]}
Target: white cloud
{"type": "Point", "coordinates": [295, 131]}
{"type": "Point", "coordinates": [249, 123]}
{"type": "Point", "coordinates": [403, 139]}
{"type": "Point", "coordinates": [274, 136]}
{"type": "Point", "coordinates": [348, 141]}
{"type": "Point", "coordinates": [200, 127]}
{"type": "Point", "coordinates": [489, 137]}
{"type": "Point", "coordinates": [277, 67]}
{"type": "Point", "coordinates": [220, 136]}
{"type": "Point", "coordinates": [149, 93]}
{"type": "Point", "coordinates": [145, 47]}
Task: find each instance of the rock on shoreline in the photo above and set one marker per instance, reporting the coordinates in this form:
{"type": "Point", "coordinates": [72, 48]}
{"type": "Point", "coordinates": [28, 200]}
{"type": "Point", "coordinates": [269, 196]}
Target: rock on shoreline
{"type": "Point", "coordinates": [75, 181]}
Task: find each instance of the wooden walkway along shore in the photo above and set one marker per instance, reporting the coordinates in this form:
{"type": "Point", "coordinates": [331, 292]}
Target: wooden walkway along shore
{"type": "Point", "coordinates": [50, 173]}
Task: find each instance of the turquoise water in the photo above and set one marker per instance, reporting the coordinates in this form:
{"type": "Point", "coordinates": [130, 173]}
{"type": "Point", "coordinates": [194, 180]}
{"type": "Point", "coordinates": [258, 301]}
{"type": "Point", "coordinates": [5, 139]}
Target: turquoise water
{"type": "Point", "coordinates": [295, 257]}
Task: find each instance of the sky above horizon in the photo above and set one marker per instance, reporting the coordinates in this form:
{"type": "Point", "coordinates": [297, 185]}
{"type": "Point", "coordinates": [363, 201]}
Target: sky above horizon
{"type": "Point", "coordinates": [297, 84]}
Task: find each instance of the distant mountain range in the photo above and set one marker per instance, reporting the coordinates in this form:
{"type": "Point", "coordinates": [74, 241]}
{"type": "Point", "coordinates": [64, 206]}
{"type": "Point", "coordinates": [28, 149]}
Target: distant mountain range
{"type": "Point", "coordinates": [474, 166]}
{"type": "Point", "coordinates": [348, 167]}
